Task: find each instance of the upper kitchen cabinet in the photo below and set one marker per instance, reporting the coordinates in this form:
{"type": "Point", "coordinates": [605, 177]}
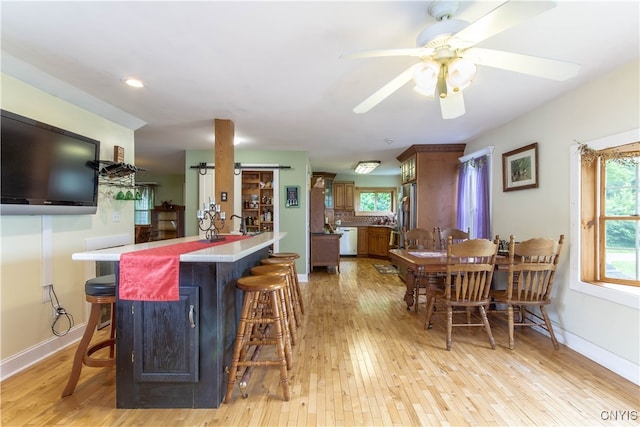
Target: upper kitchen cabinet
{"type": "Point", "coordinates": [435, 167]}
{"type": "Point", "coordinates": [408, 169]}
{"type": "Point", "coordinates": [343, 195]}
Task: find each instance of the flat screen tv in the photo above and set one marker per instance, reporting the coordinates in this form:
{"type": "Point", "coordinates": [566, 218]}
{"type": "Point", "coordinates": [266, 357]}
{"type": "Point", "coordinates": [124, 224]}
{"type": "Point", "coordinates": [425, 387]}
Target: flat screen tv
{"type": "Point", "coordinates": [45, 170]}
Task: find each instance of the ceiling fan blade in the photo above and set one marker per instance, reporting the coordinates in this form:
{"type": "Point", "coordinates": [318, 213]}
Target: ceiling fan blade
{"type": "Point", "coordinates": [377, 53]}
{"type": "Point", "coordinates": [532, 65]}
{"type": "Point", "coordinates": [499, 19]}
{"type": "Point", "coordinates": [452, 106]}
{"type": "Point", "coordinates": [385, 91]}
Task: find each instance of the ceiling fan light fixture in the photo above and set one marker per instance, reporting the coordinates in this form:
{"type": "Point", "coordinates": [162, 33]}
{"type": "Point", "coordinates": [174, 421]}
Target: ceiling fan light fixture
{"type": "Point", "coordinates": [460, 73]}
{"type": "Point", "coordinates": [441, 86]}
{"type": "Point", "coordinates": [366, 166]}
{"type": "Point", "coordinates": [425, 75]}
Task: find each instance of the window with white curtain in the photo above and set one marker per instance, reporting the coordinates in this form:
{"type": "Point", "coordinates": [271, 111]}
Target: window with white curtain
{"type": "Point", "coordinates": [474, 193]}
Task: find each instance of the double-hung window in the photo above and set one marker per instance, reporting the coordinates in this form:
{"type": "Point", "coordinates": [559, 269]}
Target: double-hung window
{"type": "Point", "coordinates": [610, 243]}
{"type": "Point", "coordinates": [375, 201]}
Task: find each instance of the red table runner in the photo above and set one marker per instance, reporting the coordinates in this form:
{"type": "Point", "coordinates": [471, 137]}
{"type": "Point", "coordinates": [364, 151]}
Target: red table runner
{"type": "Point", "coordinates": [154, 274]}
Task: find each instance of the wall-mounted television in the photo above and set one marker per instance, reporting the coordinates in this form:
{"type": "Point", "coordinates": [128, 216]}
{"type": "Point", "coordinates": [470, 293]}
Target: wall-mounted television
{"type": "Point", "coordinates": [45, 170]}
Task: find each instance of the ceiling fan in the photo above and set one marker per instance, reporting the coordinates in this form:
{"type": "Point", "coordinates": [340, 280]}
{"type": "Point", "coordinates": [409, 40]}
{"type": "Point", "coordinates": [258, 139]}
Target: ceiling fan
{"type": "Point", "coordinates": [448, 57]}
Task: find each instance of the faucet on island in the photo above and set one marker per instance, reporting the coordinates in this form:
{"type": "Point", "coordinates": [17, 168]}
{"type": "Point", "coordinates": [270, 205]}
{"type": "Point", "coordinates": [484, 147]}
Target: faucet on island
{"type": "Point", "coordinates": [243, 225]}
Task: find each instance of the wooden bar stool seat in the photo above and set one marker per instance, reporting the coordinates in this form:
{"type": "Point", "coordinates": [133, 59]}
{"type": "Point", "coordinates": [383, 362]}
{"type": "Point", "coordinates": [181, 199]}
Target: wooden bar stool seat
{"type": "Point", "coordinates": [284, 272]}
{"type": "Point", "coordinates": [291, 263]}
{"type": "Point", "coordinates": [98, 291]}
{"type": "Point", "coordinates": [261, 323]}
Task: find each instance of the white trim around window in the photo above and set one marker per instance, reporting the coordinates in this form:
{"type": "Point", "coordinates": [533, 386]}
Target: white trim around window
{"type": "Point", "coordinates": [620, 294]}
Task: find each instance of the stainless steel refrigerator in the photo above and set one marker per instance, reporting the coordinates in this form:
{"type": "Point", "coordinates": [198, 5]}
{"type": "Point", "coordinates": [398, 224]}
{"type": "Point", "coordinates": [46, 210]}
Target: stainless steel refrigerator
{"type": "Point", "coordinates": [407, 210]}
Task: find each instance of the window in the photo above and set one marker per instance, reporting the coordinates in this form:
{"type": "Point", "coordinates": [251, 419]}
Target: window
{"type": "Point", "coordinates": [143, 205]}
{"type": "Point", "coordinates": [375, 201]}
{"type": "Point", "coordinates": [474, 193]}
{"type": "Point", "coordinates": [610, 236]}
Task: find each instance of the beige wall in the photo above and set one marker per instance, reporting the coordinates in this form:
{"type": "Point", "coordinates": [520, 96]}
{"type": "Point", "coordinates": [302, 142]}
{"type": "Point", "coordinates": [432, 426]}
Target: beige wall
{"type": "Point", "coordinates": [25, 322]}
{"type": "Point", "coordinates": [606, 331]}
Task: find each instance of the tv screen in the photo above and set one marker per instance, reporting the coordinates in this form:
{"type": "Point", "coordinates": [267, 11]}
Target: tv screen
{"type": "Point", "coordinates": [46, 170]}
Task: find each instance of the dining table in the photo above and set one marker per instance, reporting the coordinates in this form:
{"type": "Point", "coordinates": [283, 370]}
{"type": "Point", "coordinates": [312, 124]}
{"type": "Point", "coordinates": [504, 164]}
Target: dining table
{"type": "Point", "coordinates": [419, 262]}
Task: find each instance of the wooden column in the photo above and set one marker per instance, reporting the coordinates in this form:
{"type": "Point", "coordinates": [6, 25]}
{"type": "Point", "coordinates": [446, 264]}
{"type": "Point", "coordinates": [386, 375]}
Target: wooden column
{"type": "Point", "coordinates": [224, 161]}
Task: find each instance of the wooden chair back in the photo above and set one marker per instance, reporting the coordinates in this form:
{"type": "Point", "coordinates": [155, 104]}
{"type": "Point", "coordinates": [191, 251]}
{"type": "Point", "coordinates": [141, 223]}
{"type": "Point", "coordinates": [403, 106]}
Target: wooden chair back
{"type": "Point", "coordinates": [470, 266]}
{"type": "Point", "coordinates": [419, 238]}
{"type": "Point", "coordinates": [456, 234]}
{"type": "Point", "coordinates": [532, 268]}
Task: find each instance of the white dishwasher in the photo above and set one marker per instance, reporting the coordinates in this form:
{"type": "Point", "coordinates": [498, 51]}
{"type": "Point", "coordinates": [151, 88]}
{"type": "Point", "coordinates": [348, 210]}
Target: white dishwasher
{"type": "Point", "coordinates": [349, 240]}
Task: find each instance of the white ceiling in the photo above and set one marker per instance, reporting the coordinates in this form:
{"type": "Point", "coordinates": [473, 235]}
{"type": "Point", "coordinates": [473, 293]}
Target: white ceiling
{"type": "Point", "coordinates": [274, 69]}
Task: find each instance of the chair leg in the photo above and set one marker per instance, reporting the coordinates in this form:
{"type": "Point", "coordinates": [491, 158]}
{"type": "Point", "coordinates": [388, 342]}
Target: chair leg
{"type": "Point", "coordinates": [511, 326]}
{"type": "Point", "coordinates": [547, 321]}
{"type": "Point", "coordinates": [487, 327]}
{"type": "Point", "coordinates": [431, 302]}
{"type": "Point", "coordinates": [449, 325]}
{"type": "Point", "coordinates": [94, 316]}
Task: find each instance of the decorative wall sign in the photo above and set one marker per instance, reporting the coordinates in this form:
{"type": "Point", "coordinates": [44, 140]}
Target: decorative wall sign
{"type": "Point", "coordinates": [520, 168]}
{"type": "Point", "coordinates": [292, 194]}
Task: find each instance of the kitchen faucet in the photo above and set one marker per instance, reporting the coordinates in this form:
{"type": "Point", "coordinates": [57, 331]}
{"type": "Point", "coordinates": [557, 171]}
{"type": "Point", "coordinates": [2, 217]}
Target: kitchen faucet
{"type": "Point", "coordinates": [243, 225]}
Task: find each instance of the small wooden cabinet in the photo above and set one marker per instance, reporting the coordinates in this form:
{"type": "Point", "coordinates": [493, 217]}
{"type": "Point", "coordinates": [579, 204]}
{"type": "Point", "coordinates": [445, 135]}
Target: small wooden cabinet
{"type": "Point", "coordinates": [343, 193]}
{"type": "Point", "coordinates": [167, 222]}
{"type": "Point", "coordinates": [363, 241]}
{"type": "Point", "coordinates": [325, 250]}
{"type": "Point", "coordinates": [379, 242]}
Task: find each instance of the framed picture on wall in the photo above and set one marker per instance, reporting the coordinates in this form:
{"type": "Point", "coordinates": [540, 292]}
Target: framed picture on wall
{"type": "Point", "coordinates": [520, 168]}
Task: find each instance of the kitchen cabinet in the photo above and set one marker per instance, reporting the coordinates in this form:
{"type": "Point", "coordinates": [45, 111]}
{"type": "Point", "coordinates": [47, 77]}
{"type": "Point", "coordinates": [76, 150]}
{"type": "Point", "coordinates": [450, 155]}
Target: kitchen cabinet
{"type": "Point", "coordinates": [158, 355]}
{"type": "Point", "coordinates": [325, 250]}
{"type": "Point", "coordinates": [363, 241]}
{"type": "Point", "coordinates": [408, 169]}
{"type": "Point", "coordinates": [436, 182]}
{"type": "Point", "coordinates": [257, 200]}
{"type": "Point", "coordinates": [378, 240]}
{"type": "Point", "coordinates": [316, 210]}
{"type": "Point", "coordinates": [173, 354]}
{"type": "Point", "coordinates": [343, 193]}
{"type": "Point", "coordinates": [167, 222]}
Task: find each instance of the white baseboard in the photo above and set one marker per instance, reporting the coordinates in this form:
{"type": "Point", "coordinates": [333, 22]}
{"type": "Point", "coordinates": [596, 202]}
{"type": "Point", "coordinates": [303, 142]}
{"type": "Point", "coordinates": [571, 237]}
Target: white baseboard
{"type": "Point", "coordinates": [605, 358]}
{"type": "Point", "coordinates": [21, 361]}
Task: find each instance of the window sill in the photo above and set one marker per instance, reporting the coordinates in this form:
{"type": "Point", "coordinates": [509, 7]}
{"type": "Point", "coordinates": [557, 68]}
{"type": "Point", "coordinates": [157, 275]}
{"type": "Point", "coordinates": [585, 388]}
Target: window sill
{"type": "Point", "coordinates": [619, 294]}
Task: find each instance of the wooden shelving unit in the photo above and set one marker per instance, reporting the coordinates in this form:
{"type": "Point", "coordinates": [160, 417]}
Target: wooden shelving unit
{"type": "Point", "coordinates": [257, 200]}
{"type": "Point", "coordinates": [167, 222]}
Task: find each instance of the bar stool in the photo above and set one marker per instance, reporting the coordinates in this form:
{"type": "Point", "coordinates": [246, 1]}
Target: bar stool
{"type": "Point", "coordinates": [282, 271]}
{"type": "Point", "coordinates": [261, 310]}
{"type": "Point", "coordinates": [99, 290]}
{"type": "Point", "coordinates": [291, 263]}
{"type": "Point", "coordinates": [294, 256]}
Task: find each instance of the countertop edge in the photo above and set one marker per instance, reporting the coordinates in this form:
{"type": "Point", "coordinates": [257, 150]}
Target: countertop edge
{"type": "Point", "coordinates": [230, 252]}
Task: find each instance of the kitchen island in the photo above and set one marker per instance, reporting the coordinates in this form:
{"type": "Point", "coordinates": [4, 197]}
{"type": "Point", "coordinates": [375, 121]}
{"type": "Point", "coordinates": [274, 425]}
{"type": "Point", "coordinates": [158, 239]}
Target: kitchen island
{"type": "Point", "coordinates": [174, 354]}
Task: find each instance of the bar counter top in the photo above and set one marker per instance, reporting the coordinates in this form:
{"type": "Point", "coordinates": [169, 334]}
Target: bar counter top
{"type": "Point", "coordinates": [224, 252]}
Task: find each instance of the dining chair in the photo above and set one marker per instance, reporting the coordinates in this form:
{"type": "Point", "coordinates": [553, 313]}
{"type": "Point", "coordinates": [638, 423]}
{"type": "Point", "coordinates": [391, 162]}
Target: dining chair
{"type": "Point", "coordinates": [455, 233]}
{"type": "Point", "coordinates": [420, 239]}
{"type": "Point", "coordinates": [532, 268]}
{"type": "Point", "coordinates": [470, 267]}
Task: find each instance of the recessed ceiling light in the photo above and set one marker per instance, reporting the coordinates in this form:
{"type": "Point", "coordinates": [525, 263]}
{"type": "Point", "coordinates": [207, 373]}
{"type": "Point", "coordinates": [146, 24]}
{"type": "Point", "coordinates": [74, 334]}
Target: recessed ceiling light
{"type": "Point", "coordinates": [134, 82]}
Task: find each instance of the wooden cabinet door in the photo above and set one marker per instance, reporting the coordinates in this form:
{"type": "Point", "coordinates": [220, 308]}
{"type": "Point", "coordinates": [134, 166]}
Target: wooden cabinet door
{"type": "Point", "coordinates": [378, 242]}
{"type": "Point", "coordinates": [166, 339]}
{"type": "Point", "coordinates": [338, 195]}
{"type": "Point", "coordinates": [363, 241]}
{"type": "Point", "coordinates": [348, 196]}
{"type": "Point", "coordinates": [316, 211]}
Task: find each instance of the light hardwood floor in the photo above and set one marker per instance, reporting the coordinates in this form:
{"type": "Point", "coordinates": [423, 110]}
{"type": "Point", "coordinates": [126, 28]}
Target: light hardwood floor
{"type": "Point", "coordinates": [363, 359]}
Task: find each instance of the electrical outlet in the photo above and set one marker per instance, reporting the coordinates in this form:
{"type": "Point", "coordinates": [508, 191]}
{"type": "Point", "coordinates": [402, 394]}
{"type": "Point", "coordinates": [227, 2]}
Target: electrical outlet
{"type": "Point", "coordinates": [46, 295]}
{"type": "Point", "coordinates": [116, 216]}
